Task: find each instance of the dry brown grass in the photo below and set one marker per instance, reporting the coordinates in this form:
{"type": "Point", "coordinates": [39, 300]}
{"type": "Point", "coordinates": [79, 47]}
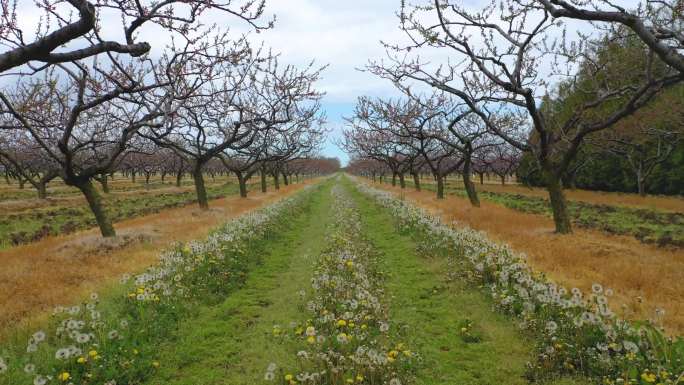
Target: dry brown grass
{"type": "Point", "coordinates": [653, 202]}
{"type": "Point", "coordinates": [62, 269]}
{"type": "Point", "coordinates": [644, 277]}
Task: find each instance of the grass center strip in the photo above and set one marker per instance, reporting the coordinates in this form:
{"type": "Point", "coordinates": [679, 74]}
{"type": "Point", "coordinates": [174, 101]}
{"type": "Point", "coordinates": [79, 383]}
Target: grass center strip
{"type": "Point", "coordinates": [348, 337]}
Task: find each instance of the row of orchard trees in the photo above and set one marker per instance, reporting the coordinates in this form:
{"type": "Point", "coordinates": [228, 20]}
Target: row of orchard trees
{"type": "Point", "coordinates": [537, 77]}
{"type": "Point", "coordinates": [84, 98]}
{"type": "Point", "coordinates": [416, 135]}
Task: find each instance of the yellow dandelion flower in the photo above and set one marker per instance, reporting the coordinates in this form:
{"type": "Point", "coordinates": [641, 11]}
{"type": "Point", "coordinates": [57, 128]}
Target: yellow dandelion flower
{"type": "Point", "coordinates": [648, 377]}
{"type": "Point", "coordinates": [64, 376]}
{"type": "Point", "coordinates": [341, 323]}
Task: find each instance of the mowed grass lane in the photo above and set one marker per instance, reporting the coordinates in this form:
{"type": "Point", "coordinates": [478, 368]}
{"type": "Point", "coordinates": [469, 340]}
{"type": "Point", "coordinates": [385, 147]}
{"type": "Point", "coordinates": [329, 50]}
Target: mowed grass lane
{"type": "Point", "coordinates": [232, 342]}
{"type": "Point", "coordinates": [433, 310]}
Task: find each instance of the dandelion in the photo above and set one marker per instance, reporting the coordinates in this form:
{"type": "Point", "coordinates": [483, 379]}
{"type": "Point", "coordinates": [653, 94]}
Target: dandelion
{"type": "Point", "coordinates": [630, 346]}
{"type": "Point", "coordinates": [597, 288]}
{"type": "Point", "coordinates": [29, 368]}
{"type": "Point", "coordinates": [271, 367]}
{"type": "Point", "coordinates": [38, 336]}
{"type": "Point", "coordinates": [40, 380]}
{"type": "Point", "coordinates": [64, 376]}
{"type": "Point", "coordinates": [551, 327]}
{"type": "Point", "coordinates": [82, 338]}
{"type": "Point", "coordinates": [269, 376]}
{"type": "Point", "coordinates": [62, 354]}
{"type": "Point", "coordinates": [384, 327]}
{"type": "Point", "coordinates": [342, 338]}
{"type": "Point", "coordinates": [3, 366]}
{"type": "Point", "coordinates": [113, 335]}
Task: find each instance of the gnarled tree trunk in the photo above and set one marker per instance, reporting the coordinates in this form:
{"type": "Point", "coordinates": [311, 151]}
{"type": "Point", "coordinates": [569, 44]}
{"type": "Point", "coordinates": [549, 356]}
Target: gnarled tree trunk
{"type": "Point", "coordinates": [242, 181]}
{"type": "Point", "coordinates": [264, 184]}
{"type": "Point", "coordinates": [200, 188]}
{"type": "Point", "coordinates": [468, 183]}
{"type": "Point", "coordinates": [96, 206]}
{"type": "Point", "coordinates": [561, 217]}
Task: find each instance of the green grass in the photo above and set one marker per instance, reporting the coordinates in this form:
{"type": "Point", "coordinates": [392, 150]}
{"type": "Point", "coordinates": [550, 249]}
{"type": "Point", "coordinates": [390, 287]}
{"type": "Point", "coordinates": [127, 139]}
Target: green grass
{"type": "Point", "coordinates": [433, 310]}
{"type": "Point", "coordinates": [648, 226]}
{"type": "Point", "coordinates": [232, 343]}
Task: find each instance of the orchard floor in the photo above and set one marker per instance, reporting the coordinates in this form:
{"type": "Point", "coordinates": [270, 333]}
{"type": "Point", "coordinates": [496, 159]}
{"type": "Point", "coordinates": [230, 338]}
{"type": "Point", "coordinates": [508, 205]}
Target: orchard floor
{"type": "Point", "coordinates": [233, 343]}
{"type": "Point", "coordinates": [62, 269]}
{"type": "Point", "coordinates": [644, 277]}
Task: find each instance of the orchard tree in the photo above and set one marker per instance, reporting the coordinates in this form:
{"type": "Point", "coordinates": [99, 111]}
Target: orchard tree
{"type": "Point", "coordinates": [63, 38]}
{"type": "Point", "coordinates": [20, 153]}
{"type": "Point", "coordinates": [518, 74]}
{"type": "Point", "coordinates": [659, 24]}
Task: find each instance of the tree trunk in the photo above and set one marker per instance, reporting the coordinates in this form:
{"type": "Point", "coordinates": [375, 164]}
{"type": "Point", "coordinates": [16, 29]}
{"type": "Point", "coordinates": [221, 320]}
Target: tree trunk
{"type": "Point", "coordinates": [276, 180]}
{"type": "Point", "coordinates": [42, 190]}
{"type": "Point", "coordinates": [263, 181]}
{"type": "Point", "coordinates": [394, 179]}
{"type": "Point", "coordinates": [373, 174]}
{"type": "Point", "coordinates": [7, 179]}
{"type": "Point", "coordinates": [104, 183]}
{"type": "Point", "coordinates": [640, 183]}
{"type": "Point", "coordinates": [440, 186]}
{"type": "Point", "coordinates": [242, 181]}
{"type": "Point", "coordinates": [416, 181]}
{"type": "Point", "coordinates": [95, 204]}
{"type": "Point", "coordinates": [133, 176]}
{"type": "Point", "coordinates": [21, 183]}
{"type": "Point", "coordinates": [147, 178]}
{"type": "Point", "coordinates": [179, 176]}
{"type": "Point", "coordinates": [481, 177]}
{"type": "Point", "coordinates": [200, 189]}
{"type": "Point", "coordinates": [561, 218]}
{"type": "Point", "coordinates": [469, 185]}
{"type": "Point", "coordinates": [286, 179]}
{"type": "Point", "coordinates": [163, 176]}
{"type": "Point", "coordinates": [402, 182]}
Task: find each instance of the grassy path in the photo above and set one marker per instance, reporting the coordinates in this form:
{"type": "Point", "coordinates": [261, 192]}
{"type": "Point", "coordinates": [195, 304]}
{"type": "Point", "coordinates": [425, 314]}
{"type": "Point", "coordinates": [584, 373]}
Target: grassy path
{"type": "Point", "coordinates": [434, 311]}
{"type": "Point", "coordinates": [232, 343]}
